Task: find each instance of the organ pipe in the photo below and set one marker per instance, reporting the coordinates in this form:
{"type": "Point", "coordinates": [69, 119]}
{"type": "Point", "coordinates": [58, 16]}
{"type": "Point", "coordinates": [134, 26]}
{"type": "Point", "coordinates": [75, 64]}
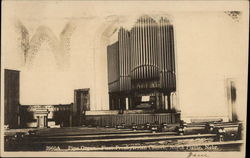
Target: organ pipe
{"type": "Point", "coordinates": [143, 57]}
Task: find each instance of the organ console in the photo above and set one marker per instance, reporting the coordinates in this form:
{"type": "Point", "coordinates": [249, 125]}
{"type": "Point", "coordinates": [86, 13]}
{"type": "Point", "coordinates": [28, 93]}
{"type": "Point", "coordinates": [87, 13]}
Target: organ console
{"type": "Point", "coordinates": [142, 63]}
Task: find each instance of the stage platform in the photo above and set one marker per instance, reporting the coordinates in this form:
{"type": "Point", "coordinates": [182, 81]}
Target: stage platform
{"type": "Point", "coordinates": [113, 118]}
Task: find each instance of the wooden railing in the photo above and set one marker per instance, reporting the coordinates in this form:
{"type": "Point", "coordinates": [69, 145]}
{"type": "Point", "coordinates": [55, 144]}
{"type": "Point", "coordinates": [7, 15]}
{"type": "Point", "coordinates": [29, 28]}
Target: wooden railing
{"type": "Point", "coordinates": [128, 119]}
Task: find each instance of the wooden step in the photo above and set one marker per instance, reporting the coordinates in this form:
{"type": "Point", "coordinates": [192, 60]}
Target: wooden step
{"type": "Point", "coordinates": [129, 139]}
{"type": "Point", "coordinates": [99, 136]}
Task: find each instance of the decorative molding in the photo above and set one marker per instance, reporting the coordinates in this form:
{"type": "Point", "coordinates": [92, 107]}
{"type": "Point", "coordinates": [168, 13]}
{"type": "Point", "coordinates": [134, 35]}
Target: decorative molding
{"type": "Point", "coordinates": [235, 15]}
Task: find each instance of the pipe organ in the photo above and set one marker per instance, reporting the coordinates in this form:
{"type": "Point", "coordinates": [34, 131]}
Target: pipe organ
{"type": "Point", "coordinates": [113, 68]}
{"type": "Point", "coordinates": [142, 64]}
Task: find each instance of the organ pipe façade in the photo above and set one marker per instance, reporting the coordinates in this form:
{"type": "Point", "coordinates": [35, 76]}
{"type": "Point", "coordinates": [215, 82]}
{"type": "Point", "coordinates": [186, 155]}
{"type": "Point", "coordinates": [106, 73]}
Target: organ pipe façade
{"type": "Point", "coordinates": [141, 67]}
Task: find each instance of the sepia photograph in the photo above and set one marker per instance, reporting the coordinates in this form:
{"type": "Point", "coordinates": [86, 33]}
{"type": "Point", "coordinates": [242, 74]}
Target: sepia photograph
{"type": "Point", "coordinates": [124, 78]}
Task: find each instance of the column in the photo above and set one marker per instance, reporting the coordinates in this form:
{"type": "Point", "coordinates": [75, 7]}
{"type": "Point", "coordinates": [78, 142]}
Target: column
{"type": "Point", "coordinates": [119, 103]}
{"type": "Point", "coordinates": [70, 119]}
{"type": "Point", "coordinates": [45, 121]}
{"type": "Point", "coordinates": [18, 120]}
{"type": "Point", "coordinates": [174, 101]}
{"type": "Point", "coordinates": [166, 102]}
{"type": "Point", "coordinates": [110, 102]}
{"type": "Point", "coordinates": [162, 102]}
{"type": "Point", "coordinates": [127, 103]}
{"type": "Point", "coordinates": [169, 101]}
{"type": "Point", "coordinates": [130, 103]}
{"type": "Point", "coordinates": [157, 101]}
{"type": "Point", "coordinates": [38, 121]}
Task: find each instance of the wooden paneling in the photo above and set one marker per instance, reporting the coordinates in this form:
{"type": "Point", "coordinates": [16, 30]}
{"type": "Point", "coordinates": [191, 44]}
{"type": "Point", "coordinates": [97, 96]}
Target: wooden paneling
{"type": "Point", "coordinates": [128, 119]}
{"type": "Point", "coordinates": [11, 98]}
